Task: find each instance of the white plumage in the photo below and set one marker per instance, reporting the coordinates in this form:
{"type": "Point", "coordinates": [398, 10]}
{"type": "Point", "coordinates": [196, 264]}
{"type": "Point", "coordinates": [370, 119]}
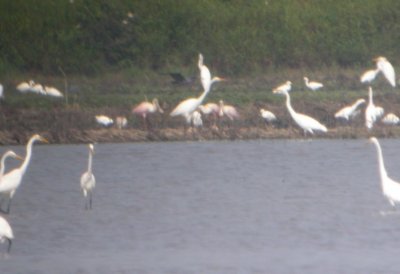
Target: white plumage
{"type": "Point", "coordinates": [387, 69]}
{"type": "Point", "coordinates": [307, 123]}
{"type": "Point", "coordinates": [286, 87]}
{"type": "Point", "coordinates": [312, 85]}
{"type": "Point", "coordinates": [6, 233]}
{"type": "Point", "coordinates": [368, 76]}
{"type": "Point", "coordinates": [88, 181]}
{"type": "Point", "coordinates": [372, 112]}
{"type": "Point", "coordinates": [391, 119]}
{"type": "Point", "coordinates": [52, 91]}
{"type": "Point", "coordinates": [104, 120]}
{"type": "Point", "coordinates": [268, 116]}
{"type": "Point", "coordinates": [349, 112]}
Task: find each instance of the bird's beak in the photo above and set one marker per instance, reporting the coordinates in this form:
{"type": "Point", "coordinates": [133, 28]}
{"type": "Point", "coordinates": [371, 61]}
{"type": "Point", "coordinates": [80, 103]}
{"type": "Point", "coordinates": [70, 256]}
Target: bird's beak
{"type": "Point", "coordinates": [19, 157]}
{"type": "Point", "coordinates": [44, 140]}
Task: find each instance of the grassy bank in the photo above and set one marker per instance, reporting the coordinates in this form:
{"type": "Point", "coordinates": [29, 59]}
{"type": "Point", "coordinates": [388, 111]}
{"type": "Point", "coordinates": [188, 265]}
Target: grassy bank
{"type": "Point", "coordinates": [115, 94]}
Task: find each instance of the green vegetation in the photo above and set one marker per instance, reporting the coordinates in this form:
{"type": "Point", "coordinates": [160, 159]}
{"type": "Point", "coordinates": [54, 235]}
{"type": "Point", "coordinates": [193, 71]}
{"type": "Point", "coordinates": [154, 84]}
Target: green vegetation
{"type": "Point", "coordinates": [89, 36]}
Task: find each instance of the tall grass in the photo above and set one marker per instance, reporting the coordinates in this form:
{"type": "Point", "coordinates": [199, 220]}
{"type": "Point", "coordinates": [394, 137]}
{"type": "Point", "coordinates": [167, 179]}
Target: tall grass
{"type": "Point", "coordinates": [240, 36]}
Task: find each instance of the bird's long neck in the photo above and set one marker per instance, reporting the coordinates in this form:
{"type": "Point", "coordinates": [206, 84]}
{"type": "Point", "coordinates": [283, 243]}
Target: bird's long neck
{"type": "Point", "coordinates": [2, 167]}
{"type": "Point", "coordinates": [28, 155]}
{"type": "Point", "coordinates": [355, 106]}
{"type": "Point", "coordinates": [203, 96]}
{"type": "Point", "coordinates": [370, 97]}
{"type": "Point", "coordinates": [289, 106]}
{"type": "Point", "coordinates": [382, 169]}
{"type": "Point", "coordinates": [90, 162]}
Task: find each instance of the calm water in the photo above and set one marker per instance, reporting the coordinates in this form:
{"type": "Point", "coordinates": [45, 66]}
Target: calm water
{"type": "Point", "coordinates": [207, 207]}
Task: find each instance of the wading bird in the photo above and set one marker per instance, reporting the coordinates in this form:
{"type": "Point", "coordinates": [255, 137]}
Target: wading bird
{"type": "Point", "coordinates": [10, 181]}
{"type": "Point", "coordinates": [391, 119]}
{"type": "Point", "coordinates": [268, 116]}
{"type": "Point", "coordinates": [52, 91]}
{"type": "Point", "coordinates": [121, 122]}
{"type": "Point", "coordinates": [146, 108]}
{"type": "Point", "coordinates": [307, 123]}
{"type": "Point", "coordinates": [88, 181]}
{"type": "Point", "coordinates": [1, 91]}
{"type": "Point", "coordinates": [25, 86]}
{"type": "Point", "coordinates": [372, 112]}
{"type": "Point", "coordinates": [7, 154]}
{"type": "Point", "coordinates": [186, 107]}
{"type": "Point", "coordinates": [104, 120]}
{"type": "Point", "coordinates": [349, 112]}
{"type": "Point", "coordinates": [286, 87]}
{"type": "Point", "coordinates": [387, 69]}
{"type": "Point", "coordinates": [228, 111]}
{"type": "Point", "coordinates": [6, 233]}
{"type": "Point", "coordinates": [312, 85]}
{"type": "Point", "coordinates": [196, 119]}
{"type": "Point", "coordinates": [390, 188]}
{"type": "Point", "coordinates": [368, 76]}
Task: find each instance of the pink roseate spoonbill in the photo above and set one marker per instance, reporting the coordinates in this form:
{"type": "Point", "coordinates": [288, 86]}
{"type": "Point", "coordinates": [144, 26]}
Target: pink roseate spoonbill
{"type": "Point", "coordinates": [368, 76]}
{"type": "Point", "coordinates": [285, 87]}
{"type": "Point", "coordinates": [387, 69]}
{"type": "Point", "coordinates": [268, 116]}
{"type": "Point", "coordinates": [205, 75]}
{"type": "Point", "coordinates": [10, 181]}
{"type": "Point", "coordinates": [88, 181]}
{"type": "Point", "coordinates": [313, 85]}
{"type": "Point", "coordinates": [349, 112]}
{"type": "Point", "coordinates": [228, 111]}
{"type": "Point", "coordinates": [104, 120]}
{"type": "Point", "coordinates": [210, 109]}
{"type": "Point", "coordinates": [6, 233]}
{"type": "Point", "coordinates": [391, 119]}
{"type": "Point", "coordinates": [372, 112]}
{"type": "Point", "coordinates": [307, 123]}
{"type": "Point", "coordinates": [390, 188]}
{"type": "Point", "coordinates": [146, 108]}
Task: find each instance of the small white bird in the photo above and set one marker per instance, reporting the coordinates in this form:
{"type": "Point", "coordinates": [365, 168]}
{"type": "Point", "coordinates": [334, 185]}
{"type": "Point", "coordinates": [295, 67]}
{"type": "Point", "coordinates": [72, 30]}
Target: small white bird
{"type": "Point", "coordinates": [372, 112]}
{"type": "Point", "coordinates": [286, 87]}
{"type": "Point", "coordinates": [88, 181]}
{"type": "Point", "coordinates": [307, 123]}
{"type": "Point", "coordinates": [37, 88]}
{"type": "Point", "coordinates": [391, 119]}
{"type": "Point", "coordinates": [52, 91]}
{"type": "Point", "coordinates": [387, 69]}
{"type": "Point", "coordinates": [196, 119]}
{"type": "Point", "coordinates": [6, 233]}
{"type": "Point", "coordinates": [268, 116]}
{"type": "Point", "coordinates": [1, 91]}
{"type": "Point", "coordinates": [312, 85]}
{"type": "Point", "coordinates": [121, 121]}
{"type": "Point", "coordinates": [349, 112]}
{"type": "Point", "coordinates": [368, 76]}
{"type": "Point", "coordinates": [24, 87]}
{"type": "Point", "coordinates": [104, 120]}
{"type": "Point", "coordinates": [390, 188]}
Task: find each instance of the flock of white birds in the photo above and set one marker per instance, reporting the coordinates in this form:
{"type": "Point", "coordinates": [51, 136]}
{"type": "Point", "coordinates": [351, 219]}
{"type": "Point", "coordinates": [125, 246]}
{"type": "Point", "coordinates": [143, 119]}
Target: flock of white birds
{"type": "Point", "coordinates": [191, 109]}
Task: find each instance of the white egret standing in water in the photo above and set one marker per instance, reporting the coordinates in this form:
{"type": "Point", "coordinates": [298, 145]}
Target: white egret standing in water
{"type": "Point", "coordinates": [88, 181]}
{"type": "Point", "coordinates": [6, 233]}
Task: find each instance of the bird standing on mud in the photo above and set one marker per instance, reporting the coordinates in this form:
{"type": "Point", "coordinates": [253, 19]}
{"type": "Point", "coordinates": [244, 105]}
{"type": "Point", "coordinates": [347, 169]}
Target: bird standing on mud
{"type": "Point", "coordinates": [146, 108]}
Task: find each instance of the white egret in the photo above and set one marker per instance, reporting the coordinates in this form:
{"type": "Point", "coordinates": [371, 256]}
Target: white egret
{"type": "Point", "coordinates": [104, 120]}
{"type": "Point", "coordinates": [205, 75]}
{"type": "Point", "coordinates": [349, 111]}
{"type": "Point", "coordinates": [369, 76]}
{"type": "Point", "coordinates": [228, 111]}
{"type": "Point", "coordinates": [268, 116]}
{"type": "Point", "coordinates": [390, 188]}
{"type": "Point", "coordinates": [1, 91]}
{"type": "Point", "coordinates": [391, 119]}
{"type": "Point", "coordinates": [286, 87]}
{"type": "Point", "coordinates": [7, 154]}
{"type": "Point", "coordinates": [88, 181]}
{"type": "Point", "coordinates": [145, 108]}
{"type": "Point", "coordinates": [313, 85]}
{"type": "Point", "coordinates": [196, 119]}
{"type": "Point", "coordinates": [372, 112]}
{"type": "Point", "coordinates": [6, 233]}
{"type": "Point", "coordinates": [387, 69]}
{"type": "Point", "coordinates": [307, 123]}
{"type": "Point", "coordinates": [10, 181]}
{"type": "Point", "coordinates": [52, 91]}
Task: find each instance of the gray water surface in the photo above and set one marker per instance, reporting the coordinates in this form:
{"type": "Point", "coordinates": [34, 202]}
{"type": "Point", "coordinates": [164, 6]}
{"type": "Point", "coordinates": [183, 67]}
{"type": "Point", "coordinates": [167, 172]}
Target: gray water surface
{"type": "Point", "coordinates": [207, 207]}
